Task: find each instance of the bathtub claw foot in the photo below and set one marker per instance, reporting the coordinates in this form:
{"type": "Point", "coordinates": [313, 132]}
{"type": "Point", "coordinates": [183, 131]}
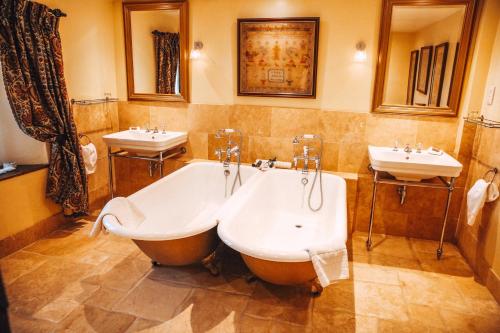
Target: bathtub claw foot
{"type": "Point", "coordinates": [210, 263]}
{"type": "Point", "coordinates": [316, 288]}
{"type": "Point", "coordinates": [155, 263]}
{"type": "Point", "coordinates": [250, 278]}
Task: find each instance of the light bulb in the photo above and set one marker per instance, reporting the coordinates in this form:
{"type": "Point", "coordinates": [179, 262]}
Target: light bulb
{"type": "Point", "coordinates": [195, 54]}
{"type": "Point", "coordinates": [360, 56]}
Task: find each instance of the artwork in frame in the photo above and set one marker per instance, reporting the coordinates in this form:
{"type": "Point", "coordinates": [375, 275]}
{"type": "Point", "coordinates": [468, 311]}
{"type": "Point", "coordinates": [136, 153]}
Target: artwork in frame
{"type": "Point", "coordinates": [438, 71]}
{"type": "Point", "coordinates": [412, 76]}
{"type": "Point", "coordinates": [424, 68]}
{"type": "Point", "coordinates": [278, 57]}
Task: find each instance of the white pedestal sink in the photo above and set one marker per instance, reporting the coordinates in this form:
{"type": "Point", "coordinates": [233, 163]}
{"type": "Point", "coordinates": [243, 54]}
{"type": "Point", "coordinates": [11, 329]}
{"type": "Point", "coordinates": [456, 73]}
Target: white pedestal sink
{"type": "Point", "coordinates": [145, 143]}
{"type": "Point", "coordinates": [413, 166]}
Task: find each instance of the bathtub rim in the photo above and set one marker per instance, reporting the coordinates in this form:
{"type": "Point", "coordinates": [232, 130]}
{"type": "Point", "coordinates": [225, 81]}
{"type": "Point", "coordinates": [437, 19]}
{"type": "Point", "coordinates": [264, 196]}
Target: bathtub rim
{"type": "Point", "coordinates": [227, 213]}
{"type": "Point", "coordinates": [112, 225]}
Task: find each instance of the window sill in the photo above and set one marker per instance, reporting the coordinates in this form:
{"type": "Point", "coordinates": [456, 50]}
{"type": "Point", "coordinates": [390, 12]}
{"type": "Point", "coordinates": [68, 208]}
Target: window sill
{"type": "Point", "coordinates": [22, 170]}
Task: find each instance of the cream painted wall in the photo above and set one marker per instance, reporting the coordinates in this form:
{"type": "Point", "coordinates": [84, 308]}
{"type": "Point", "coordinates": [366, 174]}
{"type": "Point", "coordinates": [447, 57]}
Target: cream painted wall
{"type": "Point", "coordinates": [88, 45]}
{"type": "Point", "coordinates": [447, 30]}
{"type": "Point", "coordinates": [396, 78]}
{"type": "Point", "coordinates": [493, 111]}
{"type": "Point", "coordinates": [342, 83]}
{"type": "Point", "coordinates": [143, 24]}
{"type": "Point", "coordinates": [24, 208]}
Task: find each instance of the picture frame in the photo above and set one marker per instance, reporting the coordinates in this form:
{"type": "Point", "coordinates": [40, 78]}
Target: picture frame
{"type": "Point", "coordinates": [438, 72]}
{"type": "Point", "coordinates": [412, 77]}
{"type": "Point", "coordinates": [424, 68]}
{"type": "Point", "coordinates": [278, 57]}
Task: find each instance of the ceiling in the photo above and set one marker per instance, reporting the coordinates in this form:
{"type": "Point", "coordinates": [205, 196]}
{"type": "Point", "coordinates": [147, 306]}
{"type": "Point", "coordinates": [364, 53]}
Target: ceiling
{"type": "Point", "coordinates": [414, 18]}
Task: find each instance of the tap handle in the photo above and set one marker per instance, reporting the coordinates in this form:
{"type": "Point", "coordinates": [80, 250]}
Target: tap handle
{"type": "Point", "coordinates": [396, 144]}
{"type": "Point", "coordinates": [295, 162]}
{"type": "Point", "coordinates": [218, 152]}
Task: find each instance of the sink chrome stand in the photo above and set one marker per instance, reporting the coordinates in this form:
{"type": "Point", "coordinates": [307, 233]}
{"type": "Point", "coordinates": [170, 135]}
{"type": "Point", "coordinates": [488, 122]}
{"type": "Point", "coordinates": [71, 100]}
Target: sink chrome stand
{"type": "Point", "coordinates": [449, 185]}
{"type": "Point", "coordinates": [162, 156]}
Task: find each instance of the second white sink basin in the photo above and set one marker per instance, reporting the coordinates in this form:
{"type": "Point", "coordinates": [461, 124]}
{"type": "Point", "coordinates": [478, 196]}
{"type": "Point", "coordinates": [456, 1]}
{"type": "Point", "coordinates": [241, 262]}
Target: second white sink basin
{"type": "Point", "coordinates": [413, 166]}
{"type": "Point", "coordinates": [142, 142]}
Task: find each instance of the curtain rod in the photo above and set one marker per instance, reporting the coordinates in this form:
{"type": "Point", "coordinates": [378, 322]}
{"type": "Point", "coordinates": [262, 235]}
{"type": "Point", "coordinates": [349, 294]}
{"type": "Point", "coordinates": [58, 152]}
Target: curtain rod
{"type": "Point", "coordinates": [58, 13]}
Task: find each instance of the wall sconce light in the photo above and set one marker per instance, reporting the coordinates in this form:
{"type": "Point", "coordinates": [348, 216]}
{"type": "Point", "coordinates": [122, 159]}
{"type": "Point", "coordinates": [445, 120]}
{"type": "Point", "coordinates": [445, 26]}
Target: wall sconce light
{"type": "Point", "coordinates": [360, 54]}
{"type": "Point", "coordinates": [196, 51]}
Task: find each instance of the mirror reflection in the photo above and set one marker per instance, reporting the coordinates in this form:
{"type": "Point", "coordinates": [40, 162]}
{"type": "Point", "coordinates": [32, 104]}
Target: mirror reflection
{"type": "Point", "coordinates": [156, 51]}
{"type": "Point", "coordinates": [423, 44]}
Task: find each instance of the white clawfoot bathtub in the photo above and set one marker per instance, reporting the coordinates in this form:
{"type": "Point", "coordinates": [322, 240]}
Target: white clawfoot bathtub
{"type": "Point", "coordinates": [271, 225]}
{"type": "Point", "coordinates": [180, 227]}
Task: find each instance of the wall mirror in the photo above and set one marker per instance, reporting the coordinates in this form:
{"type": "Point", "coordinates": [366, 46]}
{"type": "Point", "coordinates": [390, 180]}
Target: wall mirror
{"type": "Point", "coordinates": [423, 50]}
{"type": "Point", "coordinates": [156, 37]}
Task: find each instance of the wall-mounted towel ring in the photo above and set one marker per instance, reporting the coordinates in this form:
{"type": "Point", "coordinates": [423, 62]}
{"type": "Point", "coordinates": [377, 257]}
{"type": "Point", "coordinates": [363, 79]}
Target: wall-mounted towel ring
{"type": "Point", "coordinates": [494, 171]}
{"type": "Point", "coordinates": [83, 136]}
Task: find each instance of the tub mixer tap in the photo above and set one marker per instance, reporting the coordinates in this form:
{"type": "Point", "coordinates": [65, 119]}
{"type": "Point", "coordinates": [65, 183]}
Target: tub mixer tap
{"type": "Point", "coordinates": [231, 149]}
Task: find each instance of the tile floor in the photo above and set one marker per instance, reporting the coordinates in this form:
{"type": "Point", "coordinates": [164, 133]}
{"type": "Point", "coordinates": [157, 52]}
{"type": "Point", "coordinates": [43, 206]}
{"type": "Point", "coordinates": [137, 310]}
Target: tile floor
{"type": "Point", "coordinates": [68, 282]}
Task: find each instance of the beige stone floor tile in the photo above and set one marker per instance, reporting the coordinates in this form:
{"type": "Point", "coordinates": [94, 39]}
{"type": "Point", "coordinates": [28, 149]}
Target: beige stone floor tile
{"type": "Point", "coordinates": [213, 311]}
{"type": "Point", "coordinates": [430, 246]}
{"type": "Point", "coordinates": [472, 289]}
{"type": "Point", "coordinates": [375, 273]}
{"type": "Point", "coordinates": [21, 324]}
{"type": "Point", "coordinates": [143, 325]}
{"type": "Point", "coordinates": [396, 326]}
{"type": "Point", "coordinates": [466, 322]}
{"type": "Point", "coordinates": [18, 264]}
{"type": "Point", "coordinates": [435, 290]}
{"type": "Point", "coordinates": [121, 246]}
{"type": "Point", "coordinates": [89, 319]}
{"type": "Point", "coordinates": [341, 321]}
{"type": "Point", "coordinates": [155, 300]}
{"type": "Point", "coordinates": [379, 300]}
{"type": "Point", "coordinates": [32, 291]}
{"type": "Point", "coordinates": [57, 310]}
{"type": "Point", "coordinates": [249, 324]}
{"type": "Point", "coordinates": [286, 303]}
{"type": "Point", "coordinates": [388, 261]}
{"type": "Point", "coordinates": [93, 257]}
{"type": "Point", "coordinates": [105, 298]}
{"type": "Point", "coordinates": [336, 297]}
{"type": "Point", "coordinates": [198, 276]}
{"type": "Point", "coordinates": [448, 264]}
{"type": "Point", "coordinates": [122, 276]}
{"type": "Point", "coordinates": [426, 316]}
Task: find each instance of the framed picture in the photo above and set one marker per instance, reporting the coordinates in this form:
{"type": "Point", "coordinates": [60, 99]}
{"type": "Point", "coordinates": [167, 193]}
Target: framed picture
{"type": "Point", "coordinates": [438, 70]}
{"type": "Point", "coordinates": [424, 68]}
{"type": "Point", "coordinates": [278, 57]}
{"type": "Point", "coordinates": [412, 76]}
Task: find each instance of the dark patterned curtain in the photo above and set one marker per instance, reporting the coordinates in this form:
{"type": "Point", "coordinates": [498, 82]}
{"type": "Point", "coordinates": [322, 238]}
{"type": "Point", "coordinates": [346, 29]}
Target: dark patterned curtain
{"type": "Point", "coordinates": [167, 59]}
{"type": "Point", "coordinates": [31, 56]}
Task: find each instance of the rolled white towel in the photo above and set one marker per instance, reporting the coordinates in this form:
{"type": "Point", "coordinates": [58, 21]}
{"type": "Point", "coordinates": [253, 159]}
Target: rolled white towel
{"type": "Point", "coordinates": [89, 157]}
{"type": "Point", "coordinates": [330, 265]}
{"type": "Point", "coordinates": [492, 193]}
{"type": "Point", "coordinates": [127, 214]}
{"type": "Point", "coordinates": [475, 200]}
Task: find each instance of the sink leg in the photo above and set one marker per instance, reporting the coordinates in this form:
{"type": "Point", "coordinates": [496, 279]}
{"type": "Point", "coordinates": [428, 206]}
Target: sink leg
{"type": "Point", "coordinates": [110, 173]}
{"type": "Point", "coordinates": [161, 164]}
{"type": "Point", "coordinates": [439, 251]}
{"type": "Point", "coordinates": [372, 212]}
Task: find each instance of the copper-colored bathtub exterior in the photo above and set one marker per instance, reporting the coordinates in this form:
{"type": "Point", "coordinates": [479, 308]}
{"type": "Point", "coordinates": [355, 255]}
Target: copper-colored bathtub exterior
{"type": "Point", "coordinates": [182, 251]}
{"type": "Point", "coordinates": [282, 273]}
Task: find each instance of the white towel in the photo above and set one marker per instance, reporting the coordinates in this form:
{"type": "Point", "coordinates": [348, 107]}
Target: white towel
{"type": "Point", "coordinates": [127, 214]}
{"type": "Point", "coordinates": [330, 265]}
{"type": "Point", "coordinates": [89, 157]}
{"type": "Point", "coordinates": [492, 193]}
{"type": "Point", "coordinates": [475, 200]}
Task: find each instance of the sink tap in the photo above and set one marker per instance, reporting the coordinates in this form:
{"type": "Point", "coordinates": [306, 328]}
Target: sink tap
{"type": "Point", "coordinates": [155, 130]}
{"type": "Point", "coordinates": [419, 147]}
{"type": "Point", "coordinates": [396, 143]}
{"type": "Point", "coordinates": [407, 148]}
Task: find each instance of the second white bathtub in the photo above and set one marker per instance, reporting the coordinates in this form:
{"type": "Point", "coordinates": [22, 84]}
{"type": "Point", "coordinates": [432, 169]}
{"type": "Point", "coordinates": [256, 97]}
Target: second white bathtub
{"type": "Point", "coordinates": [270, 224]}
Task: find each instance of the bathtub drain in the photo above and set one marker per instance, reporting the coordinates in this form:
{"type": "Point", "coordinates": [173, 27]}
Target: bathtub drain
{"type": "Point", "coordinates": [298, 226]}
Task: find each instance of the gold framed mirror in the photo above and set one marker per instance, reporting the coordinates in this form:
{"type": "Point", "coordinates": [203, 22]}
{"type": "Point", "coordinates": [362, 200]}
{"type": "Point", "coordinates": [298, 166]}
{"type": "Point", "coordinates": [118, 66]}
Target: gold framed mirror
{"type": "Point", "coordinates": [422, 56]}
{"type": "Point", "coordinates": [156, 50]}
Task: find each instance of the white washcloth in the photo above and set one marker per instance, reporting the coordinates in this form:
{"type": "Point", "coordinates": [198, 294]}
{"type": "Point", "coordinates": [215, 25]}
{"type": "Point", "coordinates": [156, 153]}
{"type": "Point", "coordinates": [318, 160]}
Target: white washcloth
{"type": "Point", "coordinates": [331, 265]}
{"type": "Point", "coordinates": [6, 169]}
{"type": "Point", "coordinates": [475, 200]}
{"type": "Point", "coordinates": [89, 157]}
{"type": "Point", "coordinates": [492, 193]}
{"type": "Point", "coordinates": [127, 214]}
